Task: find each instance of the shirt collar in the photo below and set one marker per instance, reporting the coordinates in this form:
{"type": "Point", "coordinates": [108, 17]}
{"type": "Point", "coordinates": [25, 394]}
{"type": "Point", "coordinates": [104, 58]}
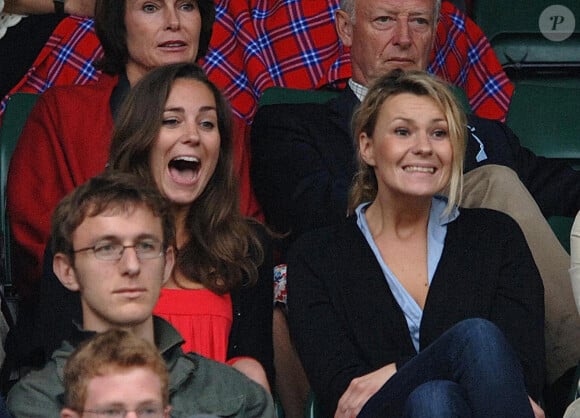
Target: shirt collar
{"type": "Point", "coordinates": [359, 90]}
{"type": "Point", "coordinates": [436, 214]}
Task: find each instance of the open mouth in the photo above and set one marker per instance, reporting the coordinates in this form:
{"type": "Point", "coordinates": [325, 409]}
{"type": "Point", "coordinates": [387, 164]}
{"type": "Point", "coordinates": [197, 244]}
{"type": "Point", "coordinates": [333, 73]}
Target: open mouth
{"type": "Point", "coordinates": [184, 170]}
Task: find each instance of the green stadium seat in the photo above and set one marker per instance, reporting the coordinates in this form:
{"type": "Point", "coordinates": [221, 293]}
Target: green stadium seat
{"type": "Point", "coordinates": [278, 95]}
{"type": "Point", "coordinates": [544, 115]}
{"type": "Point", "coordinates": [17, 110]}
{"type": "Point", "coordinates": [275, 95]}
{"type": "Point", "coordinates": [515, 28]}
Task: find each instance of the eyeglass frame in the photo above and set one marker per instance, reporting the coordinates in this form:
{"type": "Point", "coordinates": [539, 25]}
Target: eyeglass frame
{"type": "Point", "coordinates": [118, 257]}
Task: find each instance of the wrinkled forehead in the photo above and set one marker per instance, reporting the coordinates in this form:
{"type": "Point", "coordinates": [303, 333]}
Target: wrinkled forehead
{"type": "Point", "coordinates": [412, 7]}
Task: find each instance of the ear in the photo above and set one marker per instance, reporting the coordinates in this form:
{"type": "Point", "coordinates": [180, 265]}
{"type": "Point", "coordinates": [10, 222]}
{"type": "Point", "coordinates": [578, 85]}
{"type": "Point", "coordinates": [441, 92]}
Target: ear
{"type": "Point", "coordinates": [166, 412]}
{"type": "Point", "coordinates": [68, 413]}
{"type": "Point", "coordinates": [64, 270]}
{"type": "Point", "coordinates": [343, 27]}
{"type": "Point", "coordinates": [169, 263]}
{"type": "Point", "coordinates": [366, 149]}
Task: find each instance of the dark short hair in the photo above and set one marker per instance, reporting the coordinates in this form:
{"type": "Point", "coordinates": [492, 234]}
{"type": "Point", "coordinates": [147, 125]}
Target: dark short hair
{"type": "Point", "coordinates": [110, 190]}
{"type": "Point", "coordinates": [112, 33]}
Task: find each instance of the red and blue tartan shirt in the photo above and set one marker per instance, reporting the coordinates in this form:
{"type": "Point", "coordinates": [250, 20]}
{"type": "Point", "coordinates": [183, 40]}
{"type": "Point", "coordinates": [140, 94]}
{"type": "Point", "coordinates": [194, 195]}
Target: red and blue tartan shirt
{"type": "Point", "coordinates": [259, 43]}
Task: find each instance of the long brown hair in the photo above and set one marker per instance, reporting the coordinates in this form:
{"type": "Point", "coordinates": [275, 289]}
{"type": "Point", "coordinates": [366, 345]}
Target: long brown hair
{"type": "Point", "coordinates": [222, 246]}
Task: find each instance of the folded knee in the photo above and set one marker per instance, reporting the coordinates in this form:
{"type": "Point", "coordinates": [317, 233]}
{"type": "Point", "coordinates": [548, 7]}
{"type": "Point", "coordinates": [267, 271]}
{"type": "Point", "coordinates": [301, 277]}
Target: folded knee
{"type": "Point", "coordinates": [441, 398]}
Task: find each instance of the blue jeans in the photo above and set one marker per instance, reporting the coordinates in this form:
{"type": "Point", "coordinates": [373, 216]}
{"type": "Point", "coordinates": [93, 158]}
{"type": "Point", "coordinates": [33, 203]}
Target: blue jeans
{"type": "Point", "coordinates": [469, 371]}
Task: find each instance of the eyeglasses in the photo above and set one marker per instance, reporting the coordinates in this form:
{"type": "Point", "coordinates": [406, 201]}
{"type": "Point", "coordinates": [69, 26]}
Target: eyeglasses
{"type": "Point", "coordinates": [142, 412]}
{"type": "Point", "coordinates": [113, 251]}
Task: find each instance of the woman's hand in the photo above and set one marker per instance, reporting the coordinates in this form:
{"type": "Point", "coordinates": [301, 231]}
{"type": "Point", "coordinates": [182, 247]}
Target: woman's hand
{"type": "Point", "coordinates": [80, 7]}
{"type": "Point", "coordinates": [538, 411]}
{"type": "Point", "coordinates": [361, 389]}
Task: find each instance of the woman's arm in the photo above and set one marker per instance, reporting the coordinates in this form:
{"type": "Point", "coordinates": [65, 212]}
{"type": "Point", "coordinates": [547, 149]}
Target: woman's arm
{"type": "Point", "coordinates": [326, 349]}
{"type": "Point", "coordinates": [518, 309]}
{"type": "Point", "coordinates": [73, 7]}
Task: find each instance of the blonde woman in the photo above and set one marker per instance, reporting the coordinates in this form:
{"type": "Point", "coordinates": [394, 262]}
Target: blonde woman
{"type": "Point", "coordinates": [415, 307]}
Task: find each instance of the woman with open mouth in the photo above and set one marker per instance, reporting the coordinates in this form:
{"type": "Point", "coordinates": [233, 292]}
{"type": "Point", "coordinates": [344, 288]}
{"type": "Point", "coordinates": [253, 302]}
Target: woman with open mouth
{"type": "Point", "coordinates": [174, 130]}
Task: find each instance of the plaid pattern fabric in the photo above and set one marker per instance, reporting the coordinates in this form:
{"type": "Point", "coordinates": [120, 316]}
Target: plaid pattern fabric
{"type": "Point", "coordinates": [294, 44]}
{"type": "Point", "coordinates": [280, 291]}
{"type": "Point", "coordinates": [68, 57]}
{"type": "Point", "coordinates": [257, 44]}
{"type": "Point", "coordinates": [464, 57]}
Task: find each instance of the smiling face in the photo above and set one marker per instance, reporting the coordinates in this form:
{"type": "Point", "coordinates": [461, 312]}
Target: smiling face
{"type": "Point", "coordinates": [410, 149]}
{"type": "Point", "coordinates": [160, 32]}
{"type": "Point", "coordinates": [185, 154]}
{"type": "Point", "coordinates": [116, 293]}
{"type": "Point", "coordinates": [387, 34]}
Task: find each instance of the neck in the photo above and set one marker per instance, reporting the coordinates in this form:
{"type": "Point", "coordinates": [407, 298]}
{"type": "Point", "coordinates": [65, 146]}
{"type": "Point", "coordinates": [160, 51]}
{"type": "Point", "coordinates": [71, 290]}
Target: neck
{"type": "Point", "coordinates": [134, 73]}
{"type": "Point", "coordinates": [402, 217]}
{"type": "Point", "coordinates": [180, 216]}
{"type": "Point", "coordinates": [143, 329]}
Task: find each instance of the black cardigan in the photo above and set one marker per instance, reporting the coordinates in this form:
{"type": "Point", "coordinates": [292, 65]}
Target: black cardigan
{"type": "Point", "coordinates": [346, 323]}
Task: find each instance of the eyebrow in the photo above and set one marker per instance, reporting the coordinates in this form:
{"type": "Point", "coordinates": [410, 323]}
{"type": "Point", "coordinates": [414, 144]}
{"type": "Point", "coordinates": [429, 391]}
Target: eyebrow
{"type": "Point", "coordinates": [388, 9]}
{"type": "Point", "coordinates": [422, 13]}
{"type": "Point", "coordinates": [139, 237]}
{"type": "Point", "coordinates": [410, 120]}
{"type": "Point", "coordinates": [182, 110]}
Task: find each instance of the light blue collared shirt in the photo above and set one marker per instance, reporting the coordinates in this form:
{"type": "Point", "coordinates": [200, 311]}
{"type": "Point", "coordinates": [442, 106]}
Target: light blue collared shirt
{"type": "Point", "coordinates": [436, 232]}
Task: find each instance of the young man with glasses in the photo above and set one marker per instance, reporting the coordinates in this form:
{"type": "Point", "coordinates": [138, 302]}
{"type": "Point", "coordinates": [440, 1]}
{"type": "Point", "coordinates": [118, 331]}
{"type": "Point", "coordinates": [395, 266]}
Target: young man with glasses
{"type": "Point", "coordinates": [112, 240]}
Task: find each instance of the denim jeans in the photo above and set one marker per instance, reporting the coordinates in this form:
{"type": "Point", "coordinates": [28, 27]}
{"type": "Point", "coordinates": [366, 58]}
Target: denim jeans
{"type": "Point", "coordinates": [469, 371]}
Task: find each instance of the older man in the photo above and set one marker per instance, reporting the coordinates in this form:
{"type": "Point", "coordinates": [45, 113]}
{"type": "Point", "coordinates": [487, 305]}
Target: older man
{"type": "Point", "coordinates": [303, 159]}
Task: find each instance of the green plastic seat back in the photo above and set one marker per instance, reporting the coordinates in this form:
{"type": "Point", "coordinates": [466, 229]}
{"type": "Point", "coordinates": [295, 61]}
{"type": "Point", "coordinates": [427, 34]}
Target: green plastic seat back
{"type": "Point", "coordinates": [277, 95]}
{"type": "Point", "coordinates": [516, 30]}
{"type": "Point", "coordinates": [17, 110]}
{"type": "Point", "coordinates": [545, 115]}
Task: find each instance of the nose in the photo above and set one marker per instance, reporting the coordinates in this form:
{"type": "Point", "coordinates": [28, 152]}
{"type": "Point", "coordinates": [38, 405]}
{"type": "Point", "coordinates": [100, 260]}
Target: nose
{"type": "Point", "coordinates": [402, 36]}
{"type": "Point", "coordinates": [172, 19]}
{"type": "Point", "coordinates": [423, 144]}
{"type": "Point", "coordinates": [191, 133]}
{"type": "Point", "coordinates": [129, 262]}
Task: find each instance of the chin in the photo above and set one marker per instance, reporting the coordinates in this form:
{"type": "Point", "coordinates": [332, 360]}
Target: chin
{"type": "Point", "coordinates": [182, 200]}
{"type": "Point", "coordinates": [132, 319]}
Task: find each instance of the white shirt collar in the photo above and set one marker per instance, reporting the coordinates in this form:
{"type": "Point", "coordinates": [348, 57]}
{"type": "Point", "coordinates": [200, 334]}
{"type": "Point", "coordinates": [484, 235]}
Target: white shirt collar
{"type": "Point", "coordinates": [359, 90]}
